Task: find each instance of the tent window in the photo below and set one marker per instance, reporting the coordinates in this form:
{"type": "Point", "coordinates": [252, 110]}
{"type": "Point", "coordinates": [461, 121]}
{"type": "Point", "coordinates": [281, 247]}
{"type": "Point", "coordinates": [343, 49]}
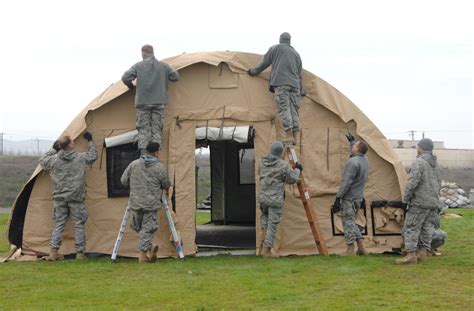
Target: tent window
{"type": "Point", "coordinates": [247, 166]}
{"type": "Point", "coordinates": [118, 158]}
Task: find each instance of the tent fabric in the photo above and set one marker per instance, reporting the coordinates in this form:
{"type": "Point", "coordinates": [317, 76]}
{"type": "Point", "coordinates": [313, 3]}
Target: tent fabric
{"type": "Point", "coordinates": [200, 99]}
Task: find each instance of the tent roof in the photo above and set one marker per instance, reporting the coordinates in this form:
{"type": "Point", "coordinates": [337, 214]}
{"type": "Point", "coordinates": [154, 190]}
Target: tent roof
{"type": "Point", "coordinates": [318, 90]}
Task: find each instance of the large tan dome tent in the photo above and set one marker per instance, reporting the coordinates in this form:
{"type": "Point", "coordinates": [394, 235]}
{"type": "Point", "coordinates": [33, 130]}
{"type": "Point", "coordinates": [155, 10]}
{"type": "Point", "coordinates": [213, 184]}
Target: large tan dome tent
{"type": "Point", "coordinates": [215, 92]}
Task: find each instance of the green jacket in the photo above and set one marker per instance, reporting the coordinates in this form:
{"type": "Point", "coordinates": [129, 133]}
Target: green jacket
{"type": "Point", "coordinates": [424, 182]}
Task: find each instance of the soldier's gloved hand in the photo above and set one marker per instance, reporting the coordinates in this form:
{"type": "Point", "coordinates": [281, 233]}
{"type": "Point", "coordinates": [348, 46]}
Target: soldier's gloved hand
{"type": "Point", "coordinates": [87, 136]}
{"type": "Point", "coordinates": [350, 137]}
{"type": "Point", "coordinates": [303, 92]}
{"type": "Point", "coordinates": [251, 73]}
{"type": "Point", "coordinates": [56, 145]}
{"type": "Point", "coordinates": [336, 206]}
{"type": "Point", "coordinates": [299, 166]}
{"type": "Point", "coordinates": [129, 84]}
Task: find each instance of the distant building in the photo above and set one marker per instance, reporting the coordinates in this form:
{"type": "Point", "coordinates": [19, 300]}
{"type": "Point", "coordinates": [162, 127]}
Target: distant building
{"type": "Point", "coordinates": [406, 143]}
{"type": "Point", "coordinates": [448, 158]}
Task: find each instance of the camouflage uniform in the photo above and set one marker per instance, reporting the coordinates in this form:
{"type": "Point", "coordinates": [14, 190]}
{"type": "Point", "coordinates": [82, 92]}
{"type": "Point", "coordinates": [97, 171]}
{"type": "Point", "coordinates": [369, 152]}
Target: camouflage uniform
{"type": "Point", "coordinates": [67, 170]}
{"type": "Point", "coordinates": [349, 209]}
{"type": "Point", "coordinates": [285, 80]}
{"type": "Point", "coordinates": [438, 239]}
{"type": "Point", "coordinates": [274, 172]}
{"type": "Point", "coordinates": [421, 195]}
{"type": "Point", "coordinates": [439, 236]}
{"type": "Point", "coordinates": [150, 125]}
{"type": "Point", "coordinates": [147, 178]}
{"type": "Point", "coordinates": [151, 97]}
{"type": "Point", "coordinates": [351, 193]}
{"type": "Point", "coordinates": [287, 99]}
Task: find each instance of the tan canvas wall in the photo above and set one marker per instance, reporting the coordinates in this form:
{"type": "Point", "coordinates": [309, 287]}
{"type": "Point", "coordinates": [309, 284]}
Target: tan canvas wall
{"type": "Point", "coordinates": [217, 95]}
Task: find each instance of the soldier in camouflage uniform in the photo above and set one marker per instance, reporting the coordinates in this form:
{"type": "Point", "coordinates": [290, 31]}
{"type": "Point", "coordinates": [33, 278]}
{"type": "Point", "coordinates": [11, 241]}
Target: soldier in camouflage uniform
{"type": "Point", "coordinates": [285, 81]}
{"type": "Point", "coordinates": [421, 195]}
{"type": "Point", "coordinates": [147, 178]}
{"type": "Point", "coordinates": [151, 95]}
{"type": "Point", "coordinates": [67, 169]}
{"type": "Point", "coordinates": [439, 236]}
{"type": "Point", "coordinates": [351, 194]}
{"type": "Point", "coordinates": [274, 172]}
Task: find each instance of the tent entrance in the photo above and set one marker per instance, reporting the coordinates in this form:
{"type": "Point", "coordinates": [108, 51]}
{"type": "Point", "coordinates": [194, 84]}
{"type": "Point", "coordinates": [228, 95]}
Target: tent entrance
{"type": "Point", "coordinates": [231, 203]}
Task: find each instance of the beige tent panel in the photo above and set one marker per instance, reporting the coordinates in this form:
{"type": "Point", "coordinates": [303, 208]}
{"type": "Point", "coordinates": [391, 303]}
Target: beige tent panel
{"type": "Point", "coordinates": [214, 90]}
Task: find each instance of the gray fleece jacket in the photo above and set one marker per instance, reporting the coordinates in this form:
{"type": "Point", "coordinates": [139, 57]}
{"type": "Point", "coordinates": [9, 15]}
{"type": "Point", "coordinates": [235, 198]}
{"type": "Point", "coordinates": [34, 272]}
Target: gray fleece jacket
{"type": "Point", "coordinates": [354, 178]}
{"type": "Point", "coordinates": [286, 66]}
{"type": "Point", "coordinates": [152, 82]}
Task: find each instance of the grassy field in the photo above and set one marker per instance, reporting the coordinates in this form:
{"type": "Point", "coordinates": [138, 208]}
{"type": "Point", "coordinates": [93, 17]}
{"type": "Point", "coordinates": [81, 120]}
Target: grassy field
{"type": "Point", "coordinates": [203, 217]}
{"type": "Point", "coordinates": [229, 283]}
{"type": "Point", "coordinates": [204, 176]}
{"type": "Point", "coordinates": [15, 171]}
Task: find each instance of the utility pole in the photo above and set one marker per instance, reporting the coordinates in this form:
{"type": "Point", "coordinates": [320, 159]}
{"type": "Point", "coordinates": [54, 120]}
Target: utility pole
{"type": "Point", "coordinates": [38, 145]}
{"type": "Point", "coordinates": [412, 134]}
{"type": "Point", "coordinates": [423, 134]}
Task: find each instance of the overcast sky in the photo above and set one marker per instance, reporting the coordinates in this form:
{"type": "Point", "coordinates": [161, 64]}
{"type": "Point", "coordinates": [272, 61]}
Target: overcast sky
{"type": "Point", "coordinates": [407, 64]}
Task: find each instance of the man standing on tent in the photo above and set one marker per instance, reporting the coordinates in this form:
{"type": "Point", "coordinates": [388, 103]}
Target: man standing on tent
{"type": "Point", "coordinates": [151, 95]}
{"type": "Point", "coordinates": [285, 82]}
{"type": "Point", "coordinates": [147, 178]}
{"type": "Point", "coordinates": [350, 196]}
{"type": "Point", "coordinates": [421, 195]}
{"type": "Point", "coordinates": [67, 168]}
{"type": "Point", "coordinates": [274, 172]}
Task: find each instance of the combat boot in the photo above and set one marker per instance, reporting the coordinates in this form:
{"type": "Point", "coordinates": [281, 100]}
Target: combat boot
{"type": "Point", "coordinates": [53, 255]}
{"type": "Point", "coordinates": [153, 253]}
{"type": "Point", "coordinates": [80, 256]}
{"type": "Point", "coordinates": [268, 252]}
{"type": "Point", "coordinates": [350, 250]}
{"type": "Point", "coordinates": [143, 258]}
{"type": "Point", "coordinates": [422, 254]}
{"type": "Point", "coordinates": [361, 251]}
{"type": "Point", "coordinates": [410, 258]}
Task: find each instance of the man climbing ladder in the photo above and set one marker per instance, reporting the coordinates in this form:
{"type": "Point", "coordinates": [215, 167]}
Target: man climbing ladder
{"type": "Point", "coordinates": [304, 195]}
{"type": "Point", "coordinates": [274, 173]}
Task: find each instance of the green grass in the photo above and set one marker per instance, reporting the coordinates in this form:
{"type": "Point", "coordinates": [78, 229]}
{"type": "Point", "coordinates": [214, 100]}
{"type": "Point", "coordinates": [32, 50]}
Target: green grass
{"type": "Point", "coordinates": [229, 283]}
{"type": "Point", "coordinates": [203, 217]}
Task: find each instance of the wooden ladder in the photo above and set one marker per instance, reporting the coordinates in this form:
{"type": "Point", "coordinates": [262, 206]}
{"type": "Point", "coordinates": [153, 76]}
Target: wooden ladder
{"type": "Point", "coordinates": [310, 213]}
